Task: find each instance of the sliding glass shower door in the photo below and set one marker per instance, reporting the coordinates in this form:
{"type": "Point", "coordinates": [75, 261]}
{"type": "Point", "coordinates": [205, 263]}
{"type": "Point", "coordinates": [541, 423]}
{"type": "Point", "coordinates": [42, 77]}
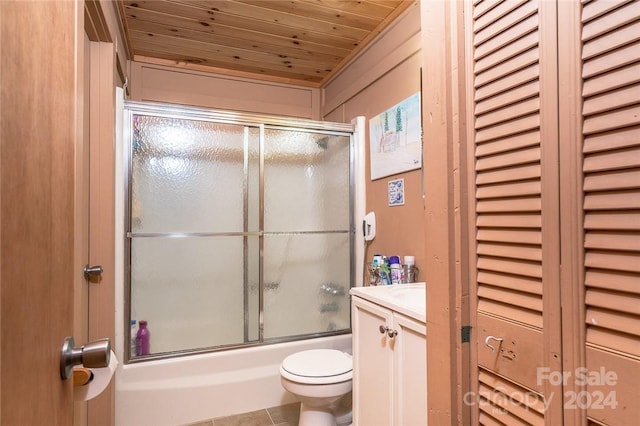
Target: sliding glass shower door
{"type": "Point", "coordinates": [239, 230]}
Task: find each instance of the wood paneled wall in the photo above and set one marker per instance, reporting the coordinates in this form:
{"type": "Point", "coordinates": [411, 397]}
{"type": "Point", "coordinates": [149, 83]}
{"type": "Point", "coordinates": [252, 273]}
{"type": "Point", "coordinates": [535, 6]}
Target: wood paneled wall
{"type": "Point", "coordinates": [385, 74]}
{"type": "Point", "coordinates": [172, 85]}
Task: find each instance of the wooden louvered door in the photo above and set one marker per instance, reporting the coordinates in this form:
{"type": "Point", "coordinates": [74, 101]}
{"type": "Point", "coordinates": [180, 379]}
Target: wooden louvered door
{"type": "Point", "coordinates": [554, 95]}
{"type": "Point", "coordinates": [610, 166]}
{"type": "Point", "coordinates": [512, 56]}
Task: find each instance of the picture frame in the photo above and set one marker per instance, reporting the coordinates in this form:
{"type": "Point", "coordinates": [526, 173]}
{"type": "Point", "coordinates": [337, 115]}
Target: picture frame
{"type": "Point", "coordinates": [396, 192]}
{"type": "Point", "coordinates": [395, 139]}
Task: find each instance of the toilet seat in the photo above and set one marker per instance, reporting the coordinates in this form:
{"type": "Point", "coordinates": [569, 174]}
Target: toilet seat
{"type": "Point", "coordinates": [318, 366]}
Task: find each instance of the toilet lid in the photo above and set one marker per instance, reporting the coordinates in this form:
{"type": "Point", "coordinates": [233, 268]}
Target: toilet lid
{"type": "Point", "coordinates": [318, 363]}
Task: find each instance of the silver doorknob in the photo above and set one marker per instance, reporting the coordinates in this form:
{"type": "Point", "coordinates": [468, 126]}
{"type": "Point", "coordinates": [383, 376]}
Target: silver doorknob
{"type": "Point", "coordinates": [94, 354]}
{"type": "Point", "coordinates": [92, 271]}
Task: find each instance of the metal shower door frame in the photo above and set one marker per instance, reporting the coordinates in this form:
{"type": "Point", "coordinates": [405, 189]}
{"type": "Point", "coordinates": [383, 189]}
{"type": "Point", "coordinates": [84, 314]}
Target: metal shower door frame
{"type": "Point", "coordinates": [248, 120]}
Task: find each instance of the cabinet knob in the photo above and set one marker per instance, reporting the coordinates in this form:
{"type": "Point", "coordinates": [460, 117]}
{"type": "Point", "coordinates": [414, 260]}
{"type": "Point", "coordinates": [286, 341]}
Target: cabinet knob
{"type": "Point", "coordinates": [384, 329]}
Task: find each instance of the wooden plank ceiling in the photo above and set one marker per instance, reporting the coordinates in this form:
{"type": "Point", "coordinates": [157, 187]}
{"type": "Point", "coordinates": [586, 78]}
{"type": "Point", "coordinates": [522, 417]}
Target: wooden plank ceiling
{"type": "Point", "coordinates": [301, 42]}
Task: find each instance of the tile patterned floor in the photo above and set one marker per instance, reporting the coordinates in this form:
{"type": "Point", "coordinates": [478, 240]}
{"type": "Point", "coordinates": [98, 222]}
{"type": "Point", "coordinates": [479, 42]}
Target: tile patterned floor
{"type": "Point", "coordinates": [285, 415]}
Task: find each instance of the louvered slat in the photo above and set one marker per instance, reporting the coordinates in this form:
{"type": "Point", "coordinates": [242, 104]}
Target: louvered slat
{"type": "Point", "coordinates": [530, 269]}
{"type": "Point", "coordinates": [500, 392]}
{"type": "Point", "coordinates": [611, 40]}
{"type": "Point", "coordinates": [618, 78]}
{"type": "Point", "coordinates": [516, 109]}
{"type": "Point", "coordinates": [615, 260]}
{"type": "Point", "coordinates": [611, 60]}
{"type": "Point", "coordinates": [596, 9]}
{"type": "Point", "coordinates": [508, 198]}
{"type": "Point", "coordinates": [513, 96]}
{"type": "Point", "coordinates": [612, 180]}
{"type": "Point", "coordinates": [611, 192]}
{"type": "Point", "coordinates": [628, 241]}
{"type": "Point", "coordinates": [513, 205]}
{"type": "Point", "coordinates": [507, 144]}
{"type": "Point", "coordinates": [506, 37]}
{"type": "Point", "coordinates": [519, 125]}
{"type": "Point", "coordinates": [624, 221]}
{"type": "Point", "coordinates": [524, 236]}
{"type": "Point", "coordinates": [617, 18]}
{"type": "Point", "coordinates": [613, 120]}
{"type": "Point", "coordinates": [612, 280]}
{"type": "Point", "coordinates": [613, 99]}
{"type": "Point", "coordinates": [510, 251]}
{"type": "Point", "coordinates": [520, 45]}
{"type": "Point", "coordinates": [511, 81]}
{"type": "Point", "coordinates": [524, 300]}
{"type": "Point", "coordinates": [612, 200]}
{"type": "Point", "coordinates": [514, 282]}
{"type": "Point", "coordinates": [515, 157]}
{"type": "Point", "coordinates": [611, 160]}
{"type": "Point", "coordinates": [511, 220]}
{"type": "Point", "coordinates": [509, 174]}
{"type": "Point", "coordinates": [505, 16]}
{"type": "Point", "coordinates": [621, 138]}
{"type": "Point", "coordinates": [616, 301]}
{"type": "Point", "coordinates": [500, 190]}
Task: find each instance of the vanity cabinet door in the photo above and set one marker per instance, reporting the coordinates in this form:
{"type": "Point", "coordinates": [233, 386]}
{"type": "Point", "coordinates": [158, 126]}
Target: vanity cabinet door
{"type": "Point", "coordinates": [373, 366]}
{"type": "Point", "coordinates": [410, 372]}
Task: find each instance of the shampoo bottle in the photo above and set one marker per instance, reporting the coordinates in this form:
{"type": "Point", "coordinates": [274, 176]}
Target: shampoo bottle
{"type": "Point", "coordinates": [132, 339]}
{"type": "Point", "coordinates": [395, 269]}
{"type": "Point", "coordinates": [142, 339]}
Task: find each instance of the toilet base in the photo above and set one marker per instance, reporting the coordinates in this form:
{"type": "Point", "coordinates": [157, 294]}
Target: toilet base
{"type": "Point", "coordinates": [316, 416]}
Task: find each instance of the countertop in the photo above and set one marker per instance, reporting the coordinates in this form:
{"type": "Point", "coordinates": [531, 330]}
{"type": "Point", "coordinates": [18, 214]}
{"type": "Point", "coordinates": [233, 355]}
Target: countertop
{"type": "Point", "coordinates": [407, 299]}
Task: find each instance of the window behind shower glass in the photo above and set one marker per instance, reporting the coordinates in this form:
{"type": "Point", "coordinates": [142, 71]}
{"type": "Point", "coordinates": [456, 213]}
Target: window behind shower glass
{"type": "Point", "coordinates": [238, 234]}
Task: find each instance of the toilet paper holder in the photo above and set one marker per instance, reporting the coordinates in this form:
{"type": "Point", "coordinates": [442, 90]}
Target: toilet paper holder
{"type": "Point", "coordinates": [94, 354]}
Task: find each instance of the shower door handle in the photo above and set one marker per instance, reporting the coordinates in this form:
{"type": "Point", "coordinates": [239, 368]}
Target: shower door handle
{"type": "Point", "coordinates": [92, 271]}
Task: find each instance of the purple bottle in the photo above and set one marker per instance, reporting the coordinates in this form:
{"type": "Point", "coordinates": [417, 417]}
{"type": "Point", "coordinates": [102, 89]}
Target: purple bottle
{"type": "Point", "coordinates": [142, 339]}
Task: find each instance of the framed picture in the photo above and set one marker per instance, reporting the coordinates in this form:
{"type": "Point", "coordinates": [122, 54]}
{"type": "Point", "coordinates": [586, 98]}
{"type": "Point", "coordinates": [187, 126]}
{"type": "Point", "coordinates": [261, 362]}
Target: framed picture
{"type": "Point", "coordinates": [395, 143]}
{"type": "Point", "coordinates": [396, 192]}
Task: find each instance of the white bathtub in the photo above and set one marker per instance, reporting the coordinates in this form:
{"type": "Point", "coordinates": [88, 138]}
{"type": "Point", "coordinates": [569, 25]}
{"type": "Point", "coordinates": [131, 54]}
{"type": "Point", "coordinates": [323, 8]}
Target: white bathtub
{"type": "Point", "coordinates": [188, 389]}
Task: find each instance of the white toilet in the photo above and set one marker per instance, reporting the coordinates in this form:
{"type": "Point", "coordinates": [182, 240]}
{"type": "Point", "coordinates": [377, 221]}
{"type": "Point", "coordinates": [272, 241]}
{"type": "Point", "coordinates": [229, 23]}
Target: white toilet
{"type": "Point", "coordinates": [320, 378]}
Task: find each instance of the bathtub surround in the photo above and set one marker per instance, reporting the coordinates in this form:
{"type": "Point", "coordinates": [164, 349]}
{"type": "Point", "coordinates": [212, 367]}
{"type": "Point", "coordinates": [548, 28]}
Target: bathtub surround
{"type": "Point", "coordinates": [184, 390]}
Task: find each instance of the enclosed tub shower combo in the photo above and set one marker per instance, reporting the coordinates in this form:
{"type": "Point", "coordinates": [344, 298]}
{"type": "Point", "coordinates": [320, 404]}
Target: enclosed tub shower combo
{"type": "Point", "coordinates": [239, 242]}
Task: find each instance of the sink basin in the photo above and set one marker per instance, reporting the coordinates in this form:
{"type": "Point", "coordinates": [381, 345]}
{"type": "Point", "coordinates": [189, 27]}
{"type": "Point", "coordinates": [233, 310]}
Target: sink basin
{"type": "Point", "coordinates": [409, 299]}
{"type": "Point", "coordinates": [413, 295]}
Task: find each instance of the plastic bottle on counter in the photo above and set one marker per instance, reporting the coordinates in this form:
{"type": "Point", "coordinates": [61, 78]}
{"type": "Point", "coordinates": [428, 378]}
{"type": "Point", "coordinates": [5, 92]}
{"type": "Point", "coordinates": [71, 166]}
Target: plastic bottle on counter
{"type": "Point", "coordinates": [410, 272]}
{"type": "Point", "coordinates": [132, 339]}
{"type": "Point", "coordinates": [395, 269]}
{"type": "Point", "coordinates": [385, 271]}
{"type": "Point", "coordinates": [142, 339]}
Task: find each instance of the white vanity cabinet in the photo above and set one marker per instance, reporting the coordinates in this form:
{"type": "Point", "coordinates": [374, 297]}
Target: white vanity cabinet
{"type": "Point", "coordinates": [389, 353]}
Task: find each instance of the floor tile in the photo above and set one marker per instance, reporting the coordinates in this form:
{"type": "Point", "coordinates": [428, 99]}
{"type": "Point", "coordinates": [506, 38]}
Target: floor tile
{"type": "Point", "coordinates": [203, 423]}
{"type": "Point", "coordinates": [254, 418]}
{"type": "Point", "coordinates": [285, 414]}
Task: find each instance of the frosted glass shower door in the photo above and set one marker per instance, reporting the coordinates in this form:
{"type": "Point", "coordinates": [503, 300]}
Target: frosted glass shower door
{"type": "Point", "coordinates": [191, 233]}
{"type": "Point", "coordinates": [307, 242]}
